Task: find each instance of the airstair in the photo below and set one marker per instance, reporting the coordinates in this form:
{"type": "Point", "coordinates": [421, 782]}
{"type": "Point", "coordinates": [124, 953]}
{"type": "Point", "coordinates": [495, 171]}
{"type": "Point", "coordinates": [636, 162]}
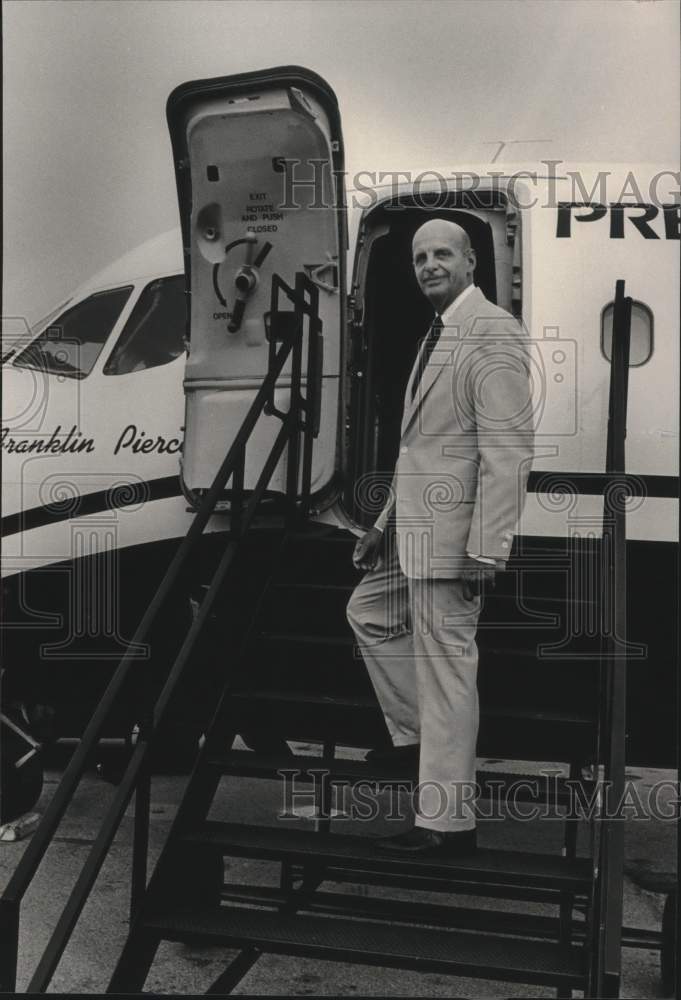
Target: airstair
{"type": "Point", "coordinates": [289, 672]}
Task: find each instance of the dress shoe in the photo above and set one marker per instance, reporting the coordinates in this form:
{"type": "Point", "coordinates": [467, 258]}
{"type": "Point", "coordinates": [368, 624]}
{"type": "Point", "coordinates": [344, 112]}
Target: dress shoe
{"type": "Point", "coordinates": [420, 842]}
{"type": "Point", "coordinates": [407, 755]}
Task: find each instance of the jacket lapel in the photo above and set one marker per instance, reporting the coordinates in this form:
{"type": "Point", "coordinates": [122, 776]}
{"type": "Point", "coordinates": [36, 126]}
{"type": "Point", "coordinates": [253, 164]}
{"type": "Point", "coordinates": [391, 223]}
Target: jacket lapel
{"type": "Point", "coordinates": [449, 338]}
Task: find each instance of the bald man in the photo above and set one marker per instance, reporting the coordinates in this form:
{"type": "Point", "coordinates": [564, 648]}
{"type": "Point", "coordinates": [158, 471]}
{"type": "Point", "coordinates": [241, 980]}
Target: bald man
{"type": "Point", "coordinates": [456, 496]}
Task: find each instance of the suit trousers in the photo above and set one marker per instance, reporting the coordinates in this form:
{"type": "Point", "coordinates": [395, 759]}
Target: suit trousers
{"type": "Point", "coordinates": [417, 639]}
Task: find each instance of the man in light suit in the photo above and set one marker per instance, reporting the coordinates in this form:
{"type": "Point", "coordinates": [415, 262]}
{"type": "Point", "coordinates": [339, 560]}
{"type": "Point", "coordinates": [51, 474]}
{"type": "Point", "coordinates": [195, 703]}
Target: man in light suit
{"type": "Point", "coordinates": [456, 496]}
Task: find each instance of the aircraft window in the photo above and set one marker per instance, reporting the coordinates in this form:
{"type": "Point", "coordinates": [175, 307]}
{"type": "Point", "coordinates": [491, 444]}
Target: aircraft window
{"type": "Point", "coordinates": [641, 346]}
{"type": "Point", "coordinates": [71, 344]}
{"type": "Point", "coordinates": [154, 333]}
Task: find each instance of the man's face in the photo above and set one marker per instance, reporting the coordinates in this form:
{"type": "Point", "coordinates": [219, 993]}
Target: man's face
{"type": "Point", "coordinates": [442, 268]}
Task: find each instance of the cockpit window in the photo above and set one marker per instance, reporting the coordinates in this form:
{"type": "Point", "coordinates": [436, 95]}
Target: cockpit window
{"type": "Point", "coordinates": [154, 333]}
{"type": "Point", "coordinates": [52, 314]}
{"type": "Point", "coordinates": [71, 344]}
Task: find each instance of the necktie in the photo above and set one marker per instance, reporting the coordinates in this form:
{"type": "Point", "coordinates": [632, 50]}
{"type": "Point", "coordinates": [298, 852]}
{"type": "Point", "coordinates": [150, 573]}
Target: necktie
{"type": "Point", "coordinates": [429, 342]}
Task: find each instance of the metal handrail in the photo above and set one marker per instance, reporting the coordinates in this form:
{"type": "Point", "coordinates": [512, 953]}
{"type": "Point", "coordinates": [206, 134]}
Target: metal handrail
{"type": "Point", "coordinates": [608, 912]}
{"type": "Point", "coordinates": [232, 466]}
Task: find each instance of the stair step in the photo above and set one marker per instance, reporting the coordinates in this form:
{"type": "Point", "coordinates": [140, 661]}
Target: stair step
{"type": "Point", "coordinates": [312, 699]}
{"type": "Point", "coordinates": [294, 586]}
{"type": "Point", "coordinates": [345, 850]}
{"type": "Point", "coordinates": [546, 604]}
{"type": "Point", "coordinates": [309, 638]}
{"type": "Point", "coordinates": [539, 715]}
{"type": "Point", "coordinates": [406, 880]}
{"type": "Point", "coordinates": [564, 691]}
{"type": "Point", "coordinates": [454, 952]}
{"type": "Point", "coordinates": [530, 788]}
{"type": "Point", "coordinates": [355, 720]}
{"type": "Point", "coordinates": [327, 533]}
{"type": "Point", "coordinates": [317, 608]}
{"type": "Point", "coordinates": [347, 719]}
{"type": "Point", "coordinates": [314, 664]}
{"type": "Point", "coordinates": [369, 704]}
{"type": "Point", "coordinates": [551, 655]}
{"type": "Point", "coordinates": [318, 557]}
{"type": "Point", "coordinates": [515, 923]}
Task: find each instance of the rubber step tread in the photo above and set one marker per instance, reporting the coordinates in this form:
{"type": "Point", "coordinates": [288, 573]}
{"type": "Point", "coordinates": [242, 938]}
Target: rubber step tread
{"type": "Point", "coordinates": [503, 867]}
{"type": "Point", "coordinates": [456, 952]}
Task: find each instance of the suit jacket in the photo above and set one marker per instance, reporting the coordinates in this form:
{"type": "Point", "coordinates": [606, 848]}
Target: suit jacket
{"type": "Point", "coordinates": [466, 444]}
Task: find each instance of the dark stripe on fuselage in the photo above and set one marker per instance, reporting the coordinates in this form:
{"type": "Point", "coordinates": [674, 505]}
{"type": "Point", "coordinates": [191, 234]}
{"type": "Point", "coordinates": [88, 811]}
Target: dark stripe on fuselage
{"type": "Point", "coordinates": [597, 483]}
{"type": "Point", "coordinates": [128, 494]}
{"type": "Point", "coordinates": [116, 497]}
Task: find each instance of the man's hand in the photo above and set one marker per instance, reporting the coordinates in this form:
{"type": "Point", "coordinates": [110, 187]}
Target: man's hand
{"type": "Point", "coordinates": [477, 577]}
{"type": "Point", "coordinates": [368, 549]}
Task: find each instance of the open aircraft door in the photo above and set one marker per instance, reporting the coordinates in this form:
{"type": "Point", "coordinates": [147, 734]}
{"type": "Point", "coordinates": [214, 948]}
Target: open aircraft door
{"type": "Point", "coordinates": [258, 161]}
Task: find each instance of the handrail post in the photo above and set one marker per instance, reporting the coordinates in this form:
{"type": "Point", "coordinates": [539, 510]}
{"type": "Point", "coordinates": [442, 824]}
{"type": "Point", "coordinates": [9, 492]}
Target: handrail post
{"type": "Point", "coordinates": [315, 374]}
{"type": "Point", "coordinates": [9, 952]}
{"type": "Point", "coordinates": [140, 837]}
{"type": "Point", "coordinates": [237, 502]}
{"type": "Point", "coordinates": [293, 455]}
{"type": "Point", "coordinates": [605, 967]}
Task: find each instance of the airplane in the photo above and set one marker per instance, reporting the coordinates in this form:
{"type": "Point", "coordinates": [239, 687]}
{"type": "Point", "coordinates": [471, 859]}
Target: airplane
{"type": "Point", "coordinates": [115, 421]}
